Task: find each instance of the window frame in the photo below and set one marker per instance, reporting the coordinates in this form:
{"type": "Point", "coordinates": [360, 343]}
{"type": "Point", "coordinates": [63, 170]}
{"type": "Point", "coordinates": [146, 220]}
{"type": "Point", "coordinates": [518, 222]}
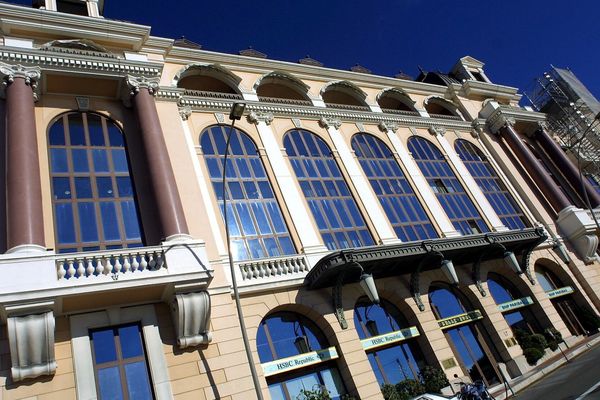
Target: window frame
{"type": "Point", "coordinates": [81, 346]}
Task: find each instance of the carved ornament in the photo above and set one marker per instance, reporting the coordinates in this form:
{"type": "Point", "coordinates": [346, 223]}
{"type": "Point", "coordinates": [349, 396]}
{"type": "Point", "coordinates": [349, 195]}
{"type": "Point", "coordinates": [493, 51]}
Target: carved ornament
{"type": "Point", "coordinates": [185, 112]}
{"type": "Point", "coordinates": [327, 123]}
{"type": "Point", "coordinates": [191, 318]}
{"type": "Point", "coordinates": [9, 72]}
{"type": "Point", "coordinates": [385, 126]}
{"type": "Point", "coordinates": [437, 130]}
{"type": "Point", "coordinates": [135, 83]}
{"type": "Point", "coordinates": [256, 117]}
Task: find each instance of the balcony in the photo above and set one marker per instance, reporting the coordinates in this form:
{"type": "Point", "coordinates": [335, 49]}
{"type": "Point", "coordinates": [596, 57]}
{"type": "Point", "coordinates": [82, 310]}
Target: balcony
{"type": "Point", "coordinates": [280, 100]}
{"type": "Point", "coordinates": [212, 95]}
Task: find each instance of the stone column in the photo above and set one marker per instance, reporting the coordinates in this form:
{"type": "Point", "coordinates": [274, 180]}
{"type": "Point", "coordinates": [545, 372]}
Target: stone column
{"type": "Point", "coordinates": [369, 200]}
{"type": "Point", "coordinates": [25, 227]}
{"type": "Point", "coordinates": [566, 167]}
{"type": "Point", "coordinates": [555, 196]}
{"type": "Point", "coordinates": [170, 210]}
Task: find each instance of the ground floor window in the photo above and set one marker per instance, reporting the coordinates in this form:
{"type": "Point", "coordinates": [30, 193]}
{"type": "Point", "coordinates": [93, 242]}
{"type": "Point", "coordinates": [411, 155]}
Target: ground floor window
{"type": "Point", "coordinates": [120, 363]}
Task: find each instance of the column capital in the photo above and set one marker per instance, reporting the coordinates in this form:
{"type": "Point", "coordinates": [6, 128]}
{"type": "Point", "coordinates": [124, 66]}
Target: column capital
{"type": "Point", "coordinates": [437, 130]}
{"type": "Point", "coordinates": [499, 120]}
{"type": "Point", "coordinates": [185, 112]}
{"type": "Point", "coordinates": [256, 117]}
{"type": "Point", "coordinates": [542, 125]}
{"type": "Point", "coordinates": [135, 83]}
{"type": "Point", "coordinates": [478, 126]}
{"type": "Point", "coordinates": [385, 126]}
{"type": "Point", "coordinates": [9, 72]}
{"type": "Point", "coordinates": [327, 123]}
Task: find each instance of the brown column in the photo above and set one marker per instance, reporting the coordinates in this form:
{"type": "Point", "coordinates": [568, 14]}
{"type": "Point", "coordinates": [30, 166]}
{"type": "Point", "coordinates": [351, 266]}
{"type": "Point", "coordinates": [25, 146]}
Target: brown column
{"type": "Point", "coordinates": [566, 167]}
{"type": "Point", "coordinates": [170, 210]}
{"type": "Point", "coordinates": [25, 222]}
{"type": "Point", "coordinates": [552, 192]}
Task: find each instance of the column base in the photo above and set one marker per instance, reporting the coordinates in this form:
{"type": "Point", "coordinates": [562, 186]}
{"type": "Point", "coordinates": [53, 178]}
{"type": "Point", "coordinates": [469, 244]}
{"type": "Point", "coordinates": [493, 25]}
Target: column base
{"type": "Point", "coordinates": [178, 238]}
{"type": "Point", "coordinates": [26, 249]}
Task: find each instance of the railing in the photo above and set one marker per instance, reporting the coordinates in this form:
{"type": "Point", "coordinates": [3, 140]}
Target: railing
{"type": "Point", "coordinates": [347, 107]}
{"type": "Point", "coordinates": [450, 117]}
{"type": "Point", "coordinates": [280, 100]}
{"type": "Point", "coordinates": [216, 95]}
{"type": "Point", "coordinates": [261, 269]}
{"type": "Point", "coordinates": [110, 262]}
{"type": "Point", "coordinates": [399, 112]}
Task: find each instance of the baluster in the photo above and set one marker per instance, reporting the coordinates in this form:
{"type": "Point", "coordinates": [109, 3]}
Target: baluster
{"type": "Point", "coordinates": [90, 268]}
{"type": "Point", "coordinates": [151, 262]}
{"type": "Point", "coordinates": [126, 263]}
{"type": "Point", "coordinates": [160, 260]}
{"type": "Point", "coordinates": [255, 271]}
{"type": "Point", "coordinates": [296, 265]}
{"type": "Point", "coordinates": [279, 264]}
{"type": "Point", "coordinates": [248, 271]}
{"type": "Point", "coordinates": [135, 265]}
{"type": "Point", "coordinates": [107, 265]}
{"type": "Point", "coordinates": [80, 268]}
{"type": "Point", "coordinates": [143, 263]}
{"type": "Point", "coordinates": [61, 270]}
{"type": "Point", "coordinates": [99, 266]}
{"type": "Point", "coordinates": [71, 270]}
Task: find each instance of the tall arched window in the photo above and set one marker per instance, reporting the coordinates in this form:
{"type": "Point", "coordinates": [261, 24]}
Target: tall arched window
{"type": "Point", "coordinates": [286, 335]}
{"type": "Point", "coordinates": [93, 195]}
{"type": "Point", "coordinates": [467, 338]}
{"type": "Point", "coordinates": [504, 292]}
{"type": "Point", "coordinates": [448, 190]}
{"type": "Point", "coordinates": [491, 185]}
{"type": "Point", "coordinates": [256, 225]}
{"type": "Point", "coordinates": [392, 188]}
{"type": "Point", "coordinates": [339, 220]}
{"type": "Point", "coordinates": [398, 360]}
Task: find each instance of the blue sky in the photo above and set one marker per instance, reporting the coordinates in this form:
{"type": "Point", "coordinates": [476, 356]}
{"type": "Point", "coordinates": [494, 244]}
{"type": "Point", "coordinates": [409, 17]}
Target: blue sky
{"type": "Point", "coordinates": [517, 40]}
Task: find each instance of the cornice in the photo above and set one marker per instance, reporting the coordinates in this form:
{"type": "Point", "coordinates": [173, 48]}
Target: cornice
{"type": "Point", "coordinates": [317, 113]}
{"type": "Point", "coordinates": [70, 62]}
{"type": "Point", "coordinates": [472, 88]}
{"type": "Point", "coordinates": [38, 22]}
{"type": "Point", "coordinates": [261, 66]}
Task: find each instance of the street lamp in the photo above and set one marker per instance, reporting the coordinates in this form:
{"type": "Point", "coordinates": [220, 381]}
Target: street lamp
{"type": "Point", "coordinates": [237, 110]}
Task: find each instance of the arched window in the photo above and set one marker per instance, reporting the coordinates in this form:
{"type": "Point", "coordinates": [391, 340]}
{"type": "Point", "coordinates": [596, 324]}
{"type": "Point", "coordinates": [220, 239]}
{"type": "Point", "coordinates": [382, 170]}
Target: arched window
{"type": "Point", "coordinates": [437, 107]}
{"type": "Point", "coordinates": [491, 185]}
{"type": "Point", "coordinates": [286, 335]}
{"type": "Point", "coordinates": [396, 101]}
{"type": "Point", "coordinates": [93, 196]}
{"type": "Point", "coordinates": [256, 225]}
{"type": "Point", "coordinates": [448, 190]}
{"type": "Point", "coordinates": [561, 297]}
{"type": "Point", "coordinates": [392, 188]}
{"type": "Point", "coordinates": [344, 94]}
{"type": "Point", "coordinates": [519, 316]}
{"type": "Point", "coordinates": [467, 337]}
{"type": "Point", "coordinates": [395, 362]}
{"type": "Point", "coordinates": [339, 220]}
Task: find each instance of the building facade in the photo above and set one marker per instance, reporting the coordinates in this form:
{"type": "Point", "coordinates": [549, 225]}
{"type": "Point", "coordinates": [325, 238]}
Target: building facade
{"type": "Point", "coordinates": [377, 225]}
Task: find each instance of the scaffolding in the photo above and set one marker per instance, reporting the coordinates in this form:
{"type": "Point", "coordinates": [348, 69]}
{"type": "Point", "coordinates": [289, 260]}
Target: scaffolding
{"type": "Point", "coordinates": [573, 115]}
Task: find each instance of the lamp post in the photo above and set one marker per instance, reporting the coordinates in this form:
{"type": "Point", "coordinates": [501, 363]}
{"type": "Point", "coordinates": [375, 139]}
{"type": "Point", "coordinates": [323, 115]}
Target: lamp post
{"type": "Point", "coordinates": [237, 110]}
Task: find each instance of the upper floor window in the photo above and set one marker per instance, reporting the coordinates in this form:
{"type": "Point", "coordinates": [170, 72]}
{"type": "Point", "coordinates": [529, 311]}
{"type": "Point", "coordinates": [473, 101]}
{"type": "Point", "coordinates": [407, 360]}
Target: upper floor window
{"type": "Point", "coordinates": [282, 87]}
{"type": "Point", "coordinates": [120, 365]}
{"type": "Point", "coordinates": [491, 185]}
{"type": "Point", "coordinates": [397, 197]}
{"type": "Point", "coordinates": [448, 190]}
{"type": "Point", "coordinates": [256, 225]}
{"type": "Point", "coordinates": [339, 220]}
{"type": "Point", "coordinates": [284, 335]}
{"type": "Point", "coordinates": [396, 101]}
{"type": "Point", "coordinates": [344, 94]}
{"type": "Point", "coordinates": [93, 195]}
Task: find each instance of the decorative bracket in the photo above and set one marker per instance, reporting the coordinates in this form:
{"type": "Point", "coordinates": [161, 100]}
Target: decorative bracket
{"type": "Point", "coordinates": [330, 123]}
{"type": "Point", "coordinates": [385, 126]}
{"type": "Point", "coordinates": [415, 288]}
{"type": "Point", "coordinates": [185, 112]}
{"type": "Point", "coordinates": [336, 292]}
{"type": "Point", "coordinates": [31, 339]}
{"type": "Point", "coordinates": [256, 117]}
{"type": "Point", "coordinates": [437, 130]}
{"type": "Point", "coordinates": [527, 254]}
{"type": "Point", "coordinates": [476, 270]}
{"type": "Point", "coordinates": [191, 317]}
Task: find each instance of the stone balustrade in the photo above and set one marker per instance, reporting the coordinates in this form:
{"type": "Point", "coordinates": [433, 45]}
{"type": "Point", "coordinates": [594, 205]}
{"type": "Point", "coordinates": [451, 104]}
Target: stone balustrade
{"type": "Point", "coordinates": [253, 272]}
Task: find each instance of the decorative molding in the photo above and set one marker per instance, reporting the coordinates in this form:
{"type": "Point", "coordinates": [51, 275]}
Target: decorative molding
{"type": "Point", "coordinates": [327, 123]}
{"type": "Point", "coordinates": [437, 130]}
{"type": "Point", "coordinates": [31, 339]}
{"type": "Point", "coordinates": [191, 318]}
{"type": "Point", "coordinates": [256, 117]}
{"type": "Point", "coordinates": [185, 112]}
{"type": "Point", "coordinates": [499, 120]}
{"type": "Point", "coordinates": [135, 83]}
{"type": "Point", "coordinates": [297, 123]}
{"type": "Point", "coordinates": [478, 126]}
{"type": "Point", "coordinates": [220, 117]}
{"type": "Point", "coordinates": [542, 125]}
{"type": "Point", "coordinates": [387, 126]}
{"type": "Point", "coordinates": [360, 126]}
{"type": "Point", "coordinates": [9, 72]}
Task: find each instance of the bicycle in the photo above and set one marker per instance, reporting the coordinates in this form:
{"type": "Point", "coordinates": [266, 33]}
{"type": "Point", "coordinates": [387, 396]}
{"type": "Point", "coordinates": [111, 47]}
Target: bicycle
{"type": "Point", "coordinates": [474, 391]}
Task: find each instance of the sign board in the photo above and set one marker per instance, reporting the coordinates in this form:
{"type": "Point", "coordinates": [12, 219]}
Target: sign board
{"type": "Point", "coordinates": [459, 319]}
{"type": "Point", "coordinates": [560, 292]}
{"type": "Point", "coordinates": [299, 361]}
{"type": "Point", "coordinates": [392, 337]}
{"type": "Point", "coordinates": [515, 304]}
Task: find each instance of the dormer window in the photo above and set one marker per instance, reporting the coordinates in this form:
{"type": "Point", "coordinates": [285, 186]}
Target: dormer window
{"type": "Point", "coordinates": [86, 8]}
{"type": "Point", "coordinates": [72, 7]}
{"type": "Point", "coordinates": [479, 76]}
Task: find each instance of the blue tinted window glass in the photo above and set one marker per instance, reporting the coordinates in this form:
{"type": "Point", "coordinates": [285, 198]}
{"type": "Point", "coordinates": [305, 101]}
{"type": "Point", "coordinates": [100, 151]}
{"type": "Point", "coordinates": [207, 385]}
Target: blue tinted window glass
{"type": "Point", "coordinates": [131, 343]}
{"type": "Point", "coordinates": [130, 220]}
{"type": "Point", "coordinates": [109, 383]}
{"type": "Point", "coordinates": [95, 130]}
{"type": "Point", "coordinates": [57, 133]}
{"type": "Point", "coordinates": [58, 160]}
{"type": "Point", "coordinates": [245, 219]}
{"type": "Point", "coordinates": [445, 303]}
{"type": "Point", "coordinates": [64, 223]}
{"type": "Point", "coordinates": [76, 131]}
{"type": "Point", "coordinates": [115, 136]}
{"type": "Point", "coordinates": [138, 385]}
{"type": "Point", "coordinates": [256, 249]}
{"type": "Point", "coordinates": [109, 221]}
{"type": "Point", "coordinates": [105, 187]}
{"type": "Point", "coordinates": [261, 218]}
{"type": "Point", "coordinates": [80, 160]}
{"type": "Point", "coordinates": [87, 222]}
{"type": "Point", "coordinates": [100, 160]}
{"type": "Point", "coordinates": [61, 188]}
{"type": "Point", "coordinates": [120, 161]}
{"type": "Point", "coordinates": [124, 185]}
{"type": "Point", "coordinates": [104, 346]}
{"type": "Point", "coordinates": [83, 188]}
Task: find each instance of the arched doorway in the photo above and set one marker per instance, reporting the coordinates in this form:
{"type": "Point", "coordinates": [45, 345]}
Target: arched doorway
{"type": "Point", "coordinates": [515, 308]}
{"type": "Point", "coordinates": [295, 356]}
{"type": "Point", "coordinates": [468, 339]}
{"type": "Point", "coordinates": [561, 297]}
{"type": "Point", "coordinates": [389, 340]}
